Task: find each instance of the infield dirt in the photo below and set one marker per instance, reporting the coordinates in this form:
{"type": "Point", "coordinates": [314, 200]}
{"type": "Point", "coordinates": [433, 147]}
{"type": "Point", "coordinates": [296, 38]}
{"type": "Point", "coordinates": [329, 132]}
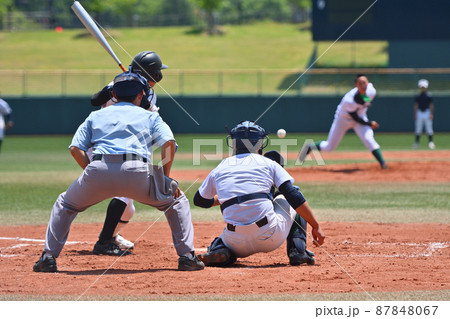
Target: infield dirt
{"type": "Point", "coordinates": [356, 257]}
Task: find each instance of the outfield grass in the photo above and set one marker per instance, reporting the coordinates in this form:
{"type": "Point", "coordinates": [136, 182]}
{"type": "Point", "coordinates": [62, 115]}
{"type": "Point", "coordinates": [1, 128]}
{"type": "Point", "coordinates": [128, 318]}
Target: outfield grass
{"type": "Point", "coordinates": [247, 59]}
{"type": "Point", "coordinates": [35, 170]}
{"type": "Point", "coordinates": [262, 45]}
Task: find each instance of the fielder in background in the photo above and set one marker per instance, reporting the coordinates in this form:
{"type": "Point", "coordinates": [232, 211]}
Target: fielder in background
{"type": "Point", "coordinates": [423, 114]}
{"type": "Point", "coordinates": [5, 123]}
{"type": "Point", "coordinates": [242, 185]}
{"type": "Point", "coordinates": [351, 113]}
{"type": "Point", "coordinates": [120, 209]}
{"type": "Point", "coordinates": [122, 137]}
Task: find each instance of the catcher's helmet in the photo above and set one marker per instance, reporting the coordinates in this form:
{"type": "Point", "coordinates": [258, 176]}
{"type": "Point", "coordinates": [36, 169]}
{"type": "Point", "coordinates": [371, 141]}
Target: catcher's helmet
{"type": "Point", "coordinates": [149, 65]}
{"type": "Point", "coordinates": [248, 137]}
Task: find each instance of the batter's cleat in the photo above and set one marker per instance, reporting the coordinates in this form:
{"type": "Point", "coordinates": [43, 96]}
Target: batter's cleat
{"type": "Point", "coordinates": [431, 145]}
{"type": "Point", "coordinates": [384, 166]}
{"type": "Point", "coordinates": [415, 146]}
{"type": "Point", "coordinates": [109, 248]}
{"type": "Point", "coordinates": [306, 149]}
{"type": "Point", "coordinates": [123, 243]}
{"type": "Point", "coordinates": [297, 258]}
{"type": "Point", "coordinates": [220, 258]}
{"type": "Point", "coordinates": [187, 264]}
{"type": "Point", "coordinates": [45, 264]}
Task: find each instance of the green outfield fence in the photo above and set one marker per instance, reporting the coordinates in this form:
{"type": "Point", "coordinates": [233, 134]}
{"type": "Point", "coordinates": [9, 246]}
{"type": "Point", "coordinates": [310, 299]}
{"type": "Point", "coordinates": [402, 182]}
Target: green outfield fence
{"type": "Point", "coordinates": [210, 114]}
{"type": "Point", "coordinates": [57, 102]}
{"type": "Point", "coordinates": [388, 81]}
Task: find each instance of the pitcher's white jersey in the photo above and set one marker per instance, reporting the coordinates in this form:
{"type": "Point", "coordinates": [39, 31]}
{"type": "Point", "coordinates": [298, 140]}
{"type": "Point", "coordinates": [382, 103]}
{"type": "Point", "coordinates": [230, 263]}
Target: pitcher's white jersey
{"type": "Point", "coordinates": [348, 104]}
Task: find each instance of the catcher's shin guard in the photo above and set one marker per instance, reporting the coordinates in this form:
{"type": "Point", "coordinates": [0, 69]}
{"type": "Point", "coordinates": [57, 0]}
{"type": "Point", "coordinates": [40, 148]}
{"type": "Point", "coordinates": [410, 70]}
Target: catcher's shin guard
{"type": "Point", "coordinates": [218, 255]}
{"type": "Point", "coordinates": [296, 244]}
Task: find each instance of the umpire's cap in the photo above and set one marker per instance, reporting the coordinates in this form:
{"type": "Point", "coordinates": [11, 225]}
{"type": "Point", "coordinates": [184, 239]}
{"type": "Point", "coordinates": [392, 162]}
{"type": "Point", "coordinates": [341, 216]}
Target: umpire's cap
{"type": "Point", "coordinates": [129, 84]}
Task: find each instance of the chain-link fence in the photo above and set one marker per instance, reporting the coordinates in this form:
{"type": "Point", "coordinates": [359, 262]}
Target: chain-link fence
{"type": "Point", "coordinates": [226, 82]}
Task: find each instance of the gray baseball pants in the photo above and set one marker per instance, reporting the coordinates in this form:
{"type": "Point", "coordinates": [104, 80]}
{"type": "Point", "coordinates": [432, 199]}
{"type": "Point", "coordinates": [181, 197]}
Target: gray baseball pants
{"type": "Point", "coordinates": [107, 178]}
{"type": "Point", "coordinates": [338, 129]}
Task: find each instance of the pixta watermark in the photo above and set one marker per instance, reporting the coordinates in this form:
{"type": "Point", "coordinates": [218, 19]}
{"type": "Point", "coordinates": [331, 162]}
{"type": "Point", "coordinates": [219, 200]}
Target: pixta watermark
{"type": "Point", "coordinates": [204, 150]}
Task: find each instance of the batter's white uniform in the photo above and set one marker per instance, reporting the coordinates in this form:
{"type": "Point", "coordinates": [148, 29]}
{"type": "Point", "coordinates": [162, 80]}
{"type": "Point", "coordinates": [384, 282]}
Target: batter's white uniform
{"type": "Point", "coordinates": [245, 174]}
{"type": "Point", "coordinates": [5, 109]}
{"type": "Point", "coordinates": [343, 122]}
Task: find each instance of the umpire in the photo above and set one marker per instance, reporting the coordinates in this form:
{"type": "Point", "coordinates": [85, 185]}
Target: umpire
{"type": "Point", "coordinates": [122, 136]}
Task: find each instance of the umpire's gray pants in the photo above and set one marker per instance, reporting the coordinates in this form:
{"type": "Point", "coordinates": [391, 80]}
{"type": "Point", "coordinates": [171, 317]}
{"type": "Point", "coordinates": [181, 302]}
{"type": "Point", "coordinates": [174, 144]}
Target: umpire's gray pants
{"type": "Point", "coordinates": [112, 177]}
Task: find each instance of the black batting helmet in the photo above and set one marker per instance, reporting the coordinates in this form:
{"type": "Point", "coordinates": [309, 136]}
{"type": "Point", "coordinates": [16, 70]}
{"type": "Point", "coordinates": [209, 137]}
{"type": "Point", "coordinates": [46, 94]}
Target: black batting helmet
{"type": "Point", "coordinates": [149, 65]}
{"type": "Point", "coordinates": [248, 137]}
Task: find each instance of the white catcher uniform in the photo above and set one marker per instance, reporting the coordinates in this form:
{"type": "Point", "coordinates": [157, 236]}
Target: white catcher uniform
{"type": "Point", "coordinates": [244, 174]}
{"type": "Point", "coordinates": [343, 122]}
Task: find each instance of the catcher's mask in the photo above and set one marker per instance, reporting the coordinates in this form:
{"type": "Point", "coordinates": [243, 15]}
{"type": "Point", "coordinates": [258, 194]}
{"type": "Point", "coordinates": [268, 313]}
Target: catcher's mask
{"type": "Point", "coordinates": [248, 137]}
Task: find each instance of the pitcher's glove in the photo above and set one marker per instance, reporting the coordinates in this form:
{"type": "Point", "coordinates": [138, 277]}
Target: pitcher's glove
{"type": "Point", "coordinates": [361, 98]}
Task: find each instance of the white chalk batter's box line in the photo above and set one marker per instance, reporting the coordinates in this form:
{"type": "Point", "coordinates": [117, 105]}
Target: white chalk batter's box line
{"type": "Point", "coordinates": [40, 241]}
{"type": "Point", "coordinates": [429, 249]}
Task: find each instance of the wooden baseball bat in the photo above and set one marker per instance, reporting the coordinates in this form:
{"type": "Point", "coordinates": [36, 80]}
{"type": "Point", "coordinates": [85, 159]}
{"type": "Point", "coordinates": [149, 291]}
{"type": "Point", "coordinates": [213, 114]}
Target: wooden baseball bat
{"type": "Point", "coordinates": [93, 29]}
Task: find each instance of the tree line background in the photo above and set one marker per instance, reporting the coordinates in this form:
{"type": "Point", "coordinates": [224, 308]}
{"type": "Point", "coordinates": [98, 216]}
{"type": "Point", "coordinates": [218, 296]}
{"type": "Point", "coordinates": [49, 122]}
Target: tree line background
{"type": "Point", "coordinates": [205, 15]}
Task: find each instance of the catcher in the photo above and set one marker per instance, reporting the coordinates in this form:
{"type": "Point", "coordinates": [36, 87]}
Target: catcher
{"type": "Point", "coordinates": [242, 185]}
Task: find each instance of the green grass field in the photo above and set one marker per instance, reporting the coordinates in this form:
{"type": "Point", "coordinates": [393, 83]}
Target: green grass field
{"type": "Point", "coordinates": [247, 59]}
{"type": "Point", "coordinates": [262, 45]}
{"type": "Point", "coordinates": [35, 170]}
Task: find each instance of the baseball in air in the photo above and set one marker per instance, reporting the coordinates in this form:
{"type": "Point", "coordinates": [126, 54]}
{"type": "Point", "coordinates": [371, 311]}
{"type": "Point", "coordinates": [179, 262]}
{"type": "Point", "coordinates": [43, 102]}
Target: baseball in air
{"type": "Point", "coordinates": [281, 133]}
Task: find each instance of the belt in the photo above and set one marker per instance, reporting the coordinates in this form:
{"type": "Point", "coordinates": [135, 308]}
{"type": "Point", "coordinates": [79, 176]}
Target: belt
{"type": "Point", "coordinates": [126, 157]}
{"type": "Point", "coordinates": [260, 223]}
{"type": "Point", "coordinates": [244, 198]}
